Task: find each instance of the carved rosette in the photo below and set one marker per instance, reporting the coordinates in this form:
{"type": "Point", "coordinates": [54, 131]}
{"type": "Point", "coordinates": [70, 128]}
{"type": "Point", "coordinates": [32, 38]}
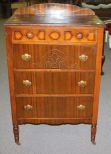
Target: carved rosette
{"type": "Point", "coordinates": [18, 35]}
{"type": "Point", "coordinates": [55, 59]}
{"type": "Point", "coordinates": [54, 35]}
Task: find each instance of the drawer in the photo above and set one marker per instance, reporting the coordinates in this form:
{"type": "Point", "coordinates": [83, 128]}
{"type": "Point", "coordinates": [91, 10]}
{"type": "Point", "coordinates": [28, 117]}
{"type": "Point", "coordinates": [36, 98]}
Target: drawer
{"type": "Point", "coordinates": [54, 56]}
{"type": "Point", "coordinates": [52, 34]}
{"type": "Point", "coordinates": [54, 107]}
{"type": "Point", "coordinates": [54, 82]}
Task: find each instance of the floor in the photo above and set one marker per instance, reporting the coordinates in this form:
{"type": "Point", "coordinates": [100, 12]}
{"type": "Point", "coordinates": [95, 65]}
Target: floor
{"type": "Point", "coordinates": [45, 139]}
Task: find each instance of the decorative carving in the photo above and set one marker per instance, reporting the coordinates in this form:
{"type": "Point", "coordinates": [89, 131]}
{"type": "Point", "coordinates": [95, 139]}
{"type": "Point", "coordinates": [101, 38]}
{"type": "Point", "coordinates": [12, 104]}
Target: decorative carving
{"type": "Point", "coordinates": [16, 134]}
{"type": "Point", "coordinates": [71, 35]}
{"type": "Point", "coordinates": [41, 35]}
{"type": "Point", "coordinates": [91, 36]}
{"type": "Point", "coordinates": [79, 35]}
{"type": "Point", "coordinates": [18, 35]}
{"type": "Point", "coordinates": [67, 35]}
{"type": "Point", "coordinates": [54, 35]}
{"type": "Point", "coordinates": [55, 59]}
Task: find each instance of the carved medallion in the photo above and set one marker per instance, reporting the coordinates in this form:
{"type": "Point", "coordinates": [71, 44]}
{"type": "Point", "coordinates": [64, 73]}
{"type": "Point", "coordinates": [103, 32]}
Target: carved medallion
{"type": "Point", "coordinates": [55, 59]}
{"type": "Point", "coordinates": [18, 35]}
{"type": "Point", "coordinates": [41, 35]}
{"type": "Point", "coordinates": [67, 35]}
{"type": "Point", "coordinates": [54, 35]}
{"type": "Point", "coordinates": [91, 36]}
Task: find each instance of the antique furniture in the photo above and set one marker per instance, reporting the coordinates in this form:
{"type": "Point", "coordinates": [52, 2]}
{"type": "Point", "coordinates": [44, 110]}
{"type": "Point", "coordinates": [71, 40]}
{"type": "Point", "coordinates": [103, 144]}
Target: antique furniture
{"type": "Point", "coordinates": [54, 65]}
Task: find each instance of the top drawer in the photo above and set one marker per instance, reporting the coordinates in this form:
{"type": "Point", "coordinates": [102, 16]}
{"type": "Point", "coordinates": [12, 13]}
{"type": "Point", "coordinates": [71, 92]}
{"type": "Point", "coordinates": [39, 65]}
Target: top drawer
{"type": "Point", "coordinates": [54, 56]}
{"type": "Point", "coordinates": [54, 34]}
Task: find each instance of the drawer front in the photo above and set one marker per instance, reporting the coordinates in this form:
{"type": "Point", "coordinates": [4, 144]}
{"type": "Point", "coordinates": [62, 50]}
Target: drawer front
{"type": "Point", "coordinates": [54, 56]}
{"type": "Point", "coordinates": [54, 82]}
{"type": "Point", "coordinates": [55, 34]}
{"type": "Point", "coordinates": [54, 107]}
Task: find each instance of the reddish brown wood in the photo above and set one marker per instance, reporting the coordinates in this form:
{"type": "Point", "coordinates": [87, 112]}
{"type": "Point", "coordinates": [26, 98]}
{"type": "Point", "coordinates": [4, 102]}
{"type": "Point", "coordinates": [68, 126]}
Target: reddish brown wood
{"type": "Point", "coordinates": [61, 35]}
{"type": "Point", "coordinates": [54, 82]}
{"type": "Point", "coordinates": [54, 108]}
{"type": "Point", "coordinates": [54, 56]}
{"type": "Point", "coordinates": [51, 8]}
{"type": "Point", "coordinates": [54, 74]}
{"type": "Point", "coordinates": [16, 134]}
{"type": "Point", "coordinates": [93, 133]}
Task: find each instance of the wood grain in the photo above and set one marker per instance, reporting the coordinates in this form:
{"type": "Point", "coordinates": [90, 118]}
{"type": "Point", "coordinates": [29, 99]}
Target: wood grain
{"type": "Point", "coordinates": [54, 56]}
{"type": "Point", "coordinates": [55, 107]}
{"type": "Point", "coordinates": [54, 83]}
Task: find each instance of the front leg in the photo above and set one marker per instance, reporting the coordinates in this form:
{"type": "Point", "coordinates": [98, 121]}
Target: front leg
{"type": "Point", "coordinates": [103, 60]}
{"type": "Point", "coordinates": [16, 134]}
{"type": "Point", "coordinates": [93, 133]}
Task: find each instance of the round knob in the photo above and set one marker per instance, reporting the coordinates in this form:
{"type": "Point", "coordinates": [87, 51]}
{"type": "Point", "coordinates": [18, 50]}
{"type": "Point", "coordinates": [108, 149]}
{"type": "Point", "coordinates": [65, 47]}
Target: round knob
{"type": "Point", "coordinates": [79, 35]}
{"type": "Point", "coordinates": [82, 84]}
{"type": "Point", "coordinates": [27, 82]}
{"type": "Point", "coordinates": [30, 35]}
{"type": "Point", "coordinates": [81, 107]}
{"type": "Point", "coordinates": [26, 57]}
{"type": "Point", "coordinates": [28, 107]}
{"type": "Point", "coordinates": [83, 58]}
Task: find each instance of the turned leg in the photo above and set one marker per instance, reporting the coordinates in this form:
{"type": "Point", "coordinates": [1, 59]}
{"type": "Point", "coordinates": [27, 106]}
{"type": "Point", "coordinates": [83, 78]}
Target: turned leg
{"type": "Point", "coordinates": [16, 133]}
{"type": "Point", "coordinates": [103, 60]}
{"type": "Point", "coordinates": [93, 133]}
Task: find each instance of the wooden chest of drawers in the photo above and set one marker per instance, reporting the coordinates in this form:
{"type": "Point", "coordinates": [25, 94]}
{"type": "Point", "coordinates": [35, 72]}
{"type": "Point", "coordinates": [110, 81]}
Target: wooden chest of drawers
{"type": "Point", "coordinates": [54, 65]}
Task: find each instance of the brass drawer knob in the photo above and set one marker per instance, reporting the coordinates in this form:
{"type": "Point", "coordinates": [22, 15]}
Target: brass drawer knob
{"type": "Point", "coordinates": [27, 83]}
{"type": "Point", "coordinates": [83, 57]}
{"type": "Point", "coordinates": [28, 107]}
{"type": "Point", "coordinates": [26, 57]}
{"type": "Point", "coordinates": [82, 83]}
{"type": "Point", "coordinates": [81, 107]}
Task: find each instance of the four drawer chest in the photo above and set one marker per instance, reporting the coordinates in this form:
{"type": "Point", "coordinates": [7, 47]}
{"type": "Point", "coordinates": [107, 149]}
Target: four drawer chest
{"type": "Point", "coordinates": [54, 56]}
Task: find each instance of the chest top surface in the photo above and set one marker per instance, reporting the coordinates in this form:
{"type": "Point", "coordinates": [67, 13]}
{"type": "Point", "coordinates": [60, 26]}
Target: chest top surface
{"type": "Point", "coordinates": [54, 14]}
